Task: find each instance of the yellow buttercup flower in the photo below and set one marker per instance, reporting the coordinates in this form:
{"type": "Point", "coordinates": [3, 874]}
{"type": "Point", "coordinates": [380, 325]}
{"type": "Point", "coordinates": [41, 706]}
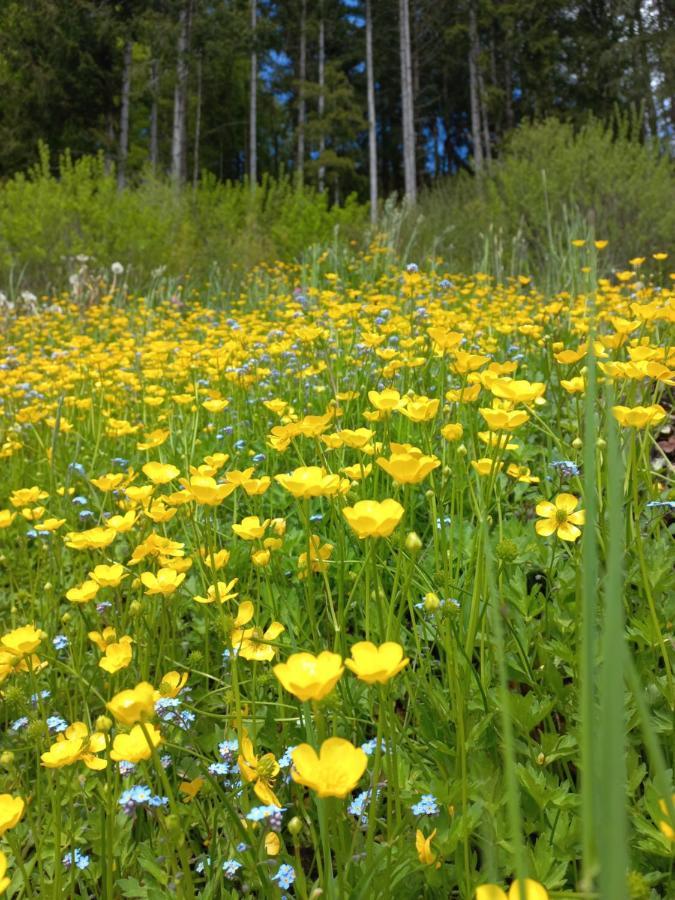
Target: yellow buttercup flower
{"type": "Point", "coordinates": [575, 385]}
{"type": "Point", "coordinates": [310, 677]}
{"type": "Point", "coordinates": [522, 473]}
{"type": "Point", "coordinates": [386, 401]}
{"type": "Point", "coordinates": [84, 592]}
{"type": "Point", "coordinates": [333, 772]}
{"type": "Point", "coordinates": [517, 391]}
{"type": "Point", "coordinates": [76, 744]}
{"type": "Point", "coordinates": [254, 487]}
{"type": "Point", "coordinates": [408, 466]}
{"type": "Point", "coordinates": [376, 665]}
{"type": "Point", "coordinates": [560, 518]}
{"type": "Point", "coordinates": [117, 655]}
{"type": "Point", "coordinates": [420, 409]}
{"type": "Point", "coordinates": [6, 518]}
{"type": "Point", "coordinates": [357, 438]}
{"type": "Point", "coordinates": [134, 705]}
{"type": "Point", "coordinates": [219, 591]}
{"type": "Point", "coordinates": [160, 473]}
{"type": "Point", "coordinates": [94, 539]}
{"type": "Point", "coordinates": [102, 639]}
{"type": "Point", "coordinates": [318, 557]}
{"type": "Point", "coordinates": [21, 641]}
{"type": "Point", "coordinates": [453, 431]}
{"type": "Point", "coordinates": [137, 745]}
{"type": "Point", "coordinates": [423, 846]}
{"type": "Point", "coordinates": [486, 465]}
{"type": "Point", "coordinates": [528, 889]}
{"type": "Point", "coordinates": [503, 420]}
{"type": "Point", "coordinates": [311, 481]}
{"type": "Point", "coordinates": [639, 416]}
{"type": "Point", "coordinates": [205, 490]}
{"type": "Point", "coordinates": [261, 770]}
{"type": "Point", "coordinates": [173, 683]}
{"type": "Point", "coordinates": [11, 811]}
{"type": "Point", "coordinates": [251, 528]}
{"type": "Point", "coordinates": [108, 576]}
{"type": "Point", "coordinates": [165, 582]}
{"type": "Point", "coordinates": [370, 518]}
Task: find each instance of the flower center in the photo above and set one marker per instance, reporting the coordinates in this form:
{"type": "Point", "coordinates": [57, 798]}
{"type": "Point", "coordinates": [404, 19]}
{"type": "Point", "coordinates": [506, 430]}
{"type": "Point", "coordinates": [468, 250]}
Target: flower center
{"type": "Point", "coordinates": [560, 516]}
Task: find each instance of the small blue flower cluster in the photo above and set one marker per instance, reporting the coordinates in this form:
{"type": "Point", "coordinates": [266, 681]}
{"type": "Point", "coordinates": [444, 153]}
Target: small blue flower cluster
{"type": "Point", "coordinates": [140, 795]}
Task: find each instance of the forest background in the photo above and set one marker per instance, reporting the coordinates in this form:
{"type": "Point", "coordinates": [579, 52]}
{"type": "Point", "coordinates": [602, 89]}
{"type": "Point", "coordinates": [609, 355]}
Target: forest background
{"type": "Point", "coordinates": [201, 138]}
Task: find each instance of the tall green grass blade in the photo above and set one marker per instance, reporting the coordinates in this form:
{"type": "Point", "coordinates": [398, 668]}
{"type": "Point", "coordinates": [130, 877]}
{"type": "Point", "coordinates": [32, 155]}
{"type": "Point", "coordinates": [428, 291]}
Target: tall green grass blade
{"type": "Point", "coordinates": [612, 826]}
{"type": "Point", "coordinates": [589, 589]}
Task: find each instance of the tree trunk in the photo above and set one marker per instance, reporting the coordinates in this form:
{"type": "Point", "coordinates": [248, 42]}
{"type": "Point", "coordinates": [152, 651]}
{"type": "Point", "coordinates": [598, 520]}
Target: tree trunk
{"type": "Point", "coordinates": [407, 108]}
{"type": "Point", "coordinates": [484, 117]}
{"type": "Point", "coordinates": [302, 76]}
{"type": "Point", "coordinates": [154, 133]}
{"type": "Point", "coordinates": [253, 109]}
{"type": "Point", "coordinates": [474, 90]}
{"type": "Point", "coordinates": [646, 73]}
{"type": "Point", "coordinates": [124, 117]}
{"type": "Point", "coordinates": [178, 135]}
{"type": "Point", "coordinates": [322, 97]}
{"type": "Point", "coordinates": [198, 124]}
{"type": "Point", "coordinates": [372, 118]}
{"type": "Point", "coordinates": [109, 143]}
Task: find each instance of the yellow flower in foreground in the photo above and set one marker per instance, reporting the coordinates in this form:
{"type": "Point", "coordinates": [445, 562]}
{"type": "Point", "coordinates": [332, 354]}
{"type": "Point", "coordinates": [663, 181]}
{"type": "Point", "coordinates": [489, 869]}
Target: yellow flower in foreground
{"type": "Point", "coordinates": [21, 641]}
{"type": "Point", "coordinates": [386, 401]}
{"type": "Point", "coordinates": [251, 528]}
{"type": "Point", "coordinates": [137, 745]}
{"type": "Point", "coordinates": [173, 683]}
{"type": "Point", "coordinates": [522, 473]}
{"type": "Point", "coordinates": [83, 593]}
{"type": "Point", "coordinates": [94, 539]}
{"type": "Point", "coordinates": [370, 518]}
{"type": "Point", "coordinates": [453, 431]}
{"type": "Point", "coordinates": [205, 490]}
{"type": "Point", "coordinates": [165, 582]}
{"type": "Point", "coordinates": [117, 655]}
{"type": "Point", "coordinates": [420, 409]}
{"type": "Point", "coordinates": [160, 473]}
{"type": "Point", "coordinates": [486, 465]}
{"type": "Point", "coordinates": [530, 890]}
{"type": "Point", "coordinates": [639, 416]}
{"type": "Point", "coordinates": [423, 846]}
{"type": "Point", "coordinates": [11, 811]}
{"type": "Point", "coordinates": [108, 576]}
{"type": "Point", "coordinates": [408, 466]}
{"type": "Point", "coordinates": [311, 481]}
{"type": "Point", "coordinates": [6, 518]}
{"type": "Point", "coordinates": [134, 705]}
{"type": "Point", "coordinates": [318, 557]}
{"type": "Point", "coordinates": [559, 517]}
{"type": "Point", "coordinates": [261, 770]}
{"type": "Point", "coordinates": [502, 420]}
{"type": "Point", "coordinates": [219, 591]}
{"type": "Point", "coordinates": [4, 881]}
{"type": "Point", "coordinates": [334, 771]}
{"type": "Point", "coordinates": [310, 677]}
{"type": "Point", "coordinates": [376, 665]}
{"type": "Point", "coordinates": [76, 745]}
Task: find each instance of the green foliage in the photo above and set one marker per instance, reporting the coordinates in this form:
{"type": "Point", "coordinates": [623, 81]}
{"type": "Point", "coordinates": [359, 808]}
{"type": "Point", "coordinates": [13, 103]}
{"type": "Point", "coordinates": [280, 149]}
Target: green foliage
{"type": "Point", "coordinates": [45, 220]}
{"type": "Point", "coordinates": [553, 184]}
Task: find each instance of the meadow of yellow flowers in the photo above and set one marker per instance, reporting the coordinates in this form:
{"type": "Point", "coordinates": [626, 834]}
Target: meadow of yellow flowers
{"type": "Point", "coordinates": [357, 584]}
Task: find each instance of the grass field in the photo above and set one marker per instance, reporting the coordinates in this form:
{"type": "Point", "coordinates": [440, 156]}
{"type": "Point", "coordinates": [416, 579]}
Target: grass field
{"type": "Point", "coordinates": [356, 584]}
